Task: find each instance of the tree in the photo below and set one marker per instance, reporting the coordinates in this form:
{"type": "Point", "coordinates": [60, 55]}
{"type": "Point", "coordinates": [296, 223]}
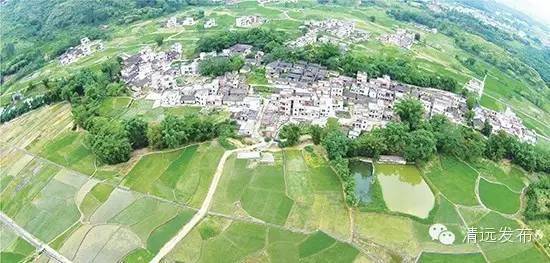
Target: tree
{"type": "Point", "coordinates": [137, 132]}
{"type": "Point", "coordinates": [417, 36]}
{"type": "Point", "coordinates": [174, 131]}
{"type": "Point", "coordinates": [410, 111]}
{"type": "Point", "coordinates": [471, 100]}
{"type": "Point", "coordinates": [109, 141]}
{"type": "Point", "coordinates": [370, 144]}
{"type": "Point", "coordinates": [336, 144]}
{"type": "Point", "coordinates": [159, 39]}
{"type": "Point", "coordinates": [200, 14]}
{"type": "Point", "coordinates": [289, 135]}
{"type": "Point", "coordinates": [8, 50]}
{"type": "Point", "coordinates": [420, 146]}
{"type": "Point", "coordinates": [218, 66]}
{"type": "Point", "coordinates": [316, 133]}
{"type": "Point", "coordinates": [487, 128]}
{"type": "Point", "coordinates": [473, 144]}
{"type": "Point", "coordinates": [497, 146]}
{"type": "Point", "coordinates": [154, 137]}
{"type": "Point", "coordinates": [469, 116]}
{"type": "Point", "coordinates": [395, 137]}
{"type": "Point", "coordinates": [372, 19]}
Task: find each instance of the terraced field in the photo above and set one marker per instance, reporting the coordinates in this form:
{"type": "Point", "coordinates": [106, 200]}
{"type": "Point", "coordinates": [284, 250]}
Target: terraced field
{"type": "Point", "coordinates": [182, 175]}
{"type": "Point", "coordinates": [57, 183]}
{"type": "Point", "coordinates": [222, 240]}
{"type": "Point", "coordinates": [299, 190]}
{"type": "Point", "coordinates": [290, 211]}
{"type": "Point", "coordinates": [12, 247]}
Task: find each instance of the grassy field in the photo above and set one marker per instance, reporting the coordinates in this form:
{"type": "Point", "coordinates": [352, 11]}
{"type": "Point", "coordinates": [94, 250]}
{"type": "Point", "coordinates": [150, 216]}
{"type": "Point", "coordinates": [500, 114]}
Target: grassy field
{"type": "Point", "coordinates": [514, 251]}
{"type": "Point", "coordinates": [32, 130]}
{"type": "Point", "coordinates": [299, 190]}
{"type": "Point", "coordinates": [68, 149]}
{"type": "Point", "coordinates": [511, 176]}
{"type": "Point", "coordinates": [260, 191]}
{"type": "Point", "coordinates": [12, 247]}
{"type": "Point", "coordinates": [498, 197]}
{"type": "Point", "coordinates": [181, 175]}
{"type": "Point", "coordinates": [451, 258]}
{"type": "Point", "coordinates": [234, 241]}
{"type": "Point", "coordinates": [94, 198]}
{"type": "Point", "coordinates": [454, 179]}
{"type": "Point", "coordinates": [91, 216]}
{"type": "Point", "coordinates": [78, 215]}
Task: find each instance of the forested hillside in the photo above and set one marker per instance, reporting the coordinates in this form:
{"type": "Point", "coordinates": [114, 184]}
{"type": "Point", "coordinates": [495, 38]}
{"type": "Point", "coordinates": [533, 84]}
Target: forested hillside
{"type": "Point", "coordinates": [35, 31]}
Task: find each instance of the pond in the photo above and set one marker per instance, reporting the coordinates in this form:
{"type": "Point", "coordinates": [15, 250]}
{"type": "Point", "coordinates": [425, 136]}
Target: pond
{"type": "Point", "coordinates": [362, 173]}
{"type": "Point", "coordinates": [404, 190]}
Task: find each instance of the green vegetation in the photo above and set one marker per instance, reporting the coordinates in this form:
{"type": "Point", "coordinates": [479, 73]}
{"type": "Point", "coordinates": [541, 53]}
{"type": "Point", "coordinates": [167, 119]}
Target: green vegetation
{"type": "Point", "coordinates": [217, 66]}
{"type": "Point", "coordinates": [538, 199]}
{"type": "Point", "coordinates": [290, 135]}
{"type": "Point", "coordinates": [410, 112]}
{"type": "Point", "coordinates": [139, 256]}
{"type": "Point", "coordinates": [498, 197]}
{"type": "Point", "coordinates": [182, 175]}
{"type": "Point", "coordinates": [450, 258]}
{"type": "Point", "coordinates": [137, 132]}
{"type": "Point", "coordinates": [162, 234]}
{"type": "Point", "coordinates": [174, 131]}
{"type": "Point", "coordinates": [68, 149]}
{"type": "Point", "coordinates": [109, 141]}
{"type": "Point", "coordinates": [512, 251]}
{"type": "Point", "coordinates": [95, 198]}
{"type": "Point", "coordinates": [454, 179]}
{"type": "Point", "coordinates": [247, 241]}
{"type": "Point", "coordinates": [260, 38]}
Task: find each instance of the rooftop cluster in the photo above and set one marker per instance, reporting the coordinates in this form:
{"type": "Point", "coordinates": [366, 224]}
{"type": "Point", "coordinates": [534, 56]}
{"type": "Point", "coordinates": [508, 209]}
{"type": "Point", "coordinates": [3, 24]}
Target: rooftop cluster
{"type": "Point", "coordinates": [333, 31]}
{"type": "Point", "coordinates": [401, 37]}
{"type": "Point", "coordinates": [249, 21]}
{"type": "Point", "coordinates": [86, 48]}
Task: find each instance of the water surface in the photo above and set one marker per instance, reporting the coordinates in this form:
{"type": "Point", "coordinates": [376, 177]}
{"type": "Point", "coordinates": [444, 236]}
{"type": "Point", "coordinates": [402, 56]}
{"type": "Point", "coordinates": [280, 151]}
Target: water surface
{"type": "Point", "coordinates": [404, 190]}
{"type": "Point", "coordinates": [362, 173]}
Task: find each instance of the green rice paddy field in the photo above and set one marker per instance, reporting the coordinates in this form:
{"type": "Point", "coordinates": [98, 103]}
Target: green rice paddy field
{"type": "Point", "coordinates": [57, 191]}
{"type": "Point", "coordinates": [289, 211]}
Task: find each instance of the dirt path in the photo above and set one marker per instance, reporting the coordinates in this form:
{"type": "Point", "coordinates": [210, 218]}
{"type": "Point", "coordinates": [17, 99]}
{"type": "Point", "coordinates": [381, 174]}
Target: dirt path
{"type": "Point", "coordinates": [40, 246]}
{"type": "Point", "coordinates": [203, 211]}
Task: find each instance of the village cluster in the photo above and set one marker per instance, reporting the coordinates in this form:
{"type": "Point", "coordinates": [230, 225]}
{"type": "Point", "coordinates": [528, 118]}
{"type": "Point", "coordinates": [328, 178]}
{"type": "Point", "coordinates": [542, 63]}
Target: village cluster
{"type": "Point", "coordinates": [243, 21]}
{"type": "Point", "coordinates": [402, 38]}
{"type": "Point", "coordinates": [332, 31]}
{"type": "Point", "coordinates": [301, 91]}
{"type": "Point", "coordinates": [86, 48]}
{"type": "Point", "coordinates": [174, 22]}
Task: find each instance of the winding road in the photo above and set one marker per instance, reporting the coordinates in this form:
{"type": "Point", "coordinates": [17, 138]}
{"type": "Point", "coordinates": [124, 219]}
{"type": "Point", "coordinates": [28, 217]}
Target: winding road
{"type": "Point", "coordinates": [39, 245]}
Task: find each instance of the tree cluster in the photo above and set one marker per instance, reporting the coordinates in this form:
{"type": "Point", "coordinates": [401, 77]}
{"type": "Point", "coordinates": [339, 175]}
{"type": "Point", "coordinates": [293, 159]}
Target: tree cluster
{"type": "Point", "coordinates": [174, 131]}
{"type": "Point", "coordinates": [218, 66]}
{"type": "Point", "coordinates": [109, 140]}
{"type": "Point", "coordinates": [538, 200]}
{"type": "Point", "coordinates": [418, 140]}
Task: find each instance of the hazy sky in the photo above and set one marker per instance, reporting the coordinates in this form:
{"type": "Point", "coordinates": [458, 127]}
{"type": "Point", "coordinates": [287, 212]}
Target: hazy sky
{"type": "Point", "coordinates": [539, 9]}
